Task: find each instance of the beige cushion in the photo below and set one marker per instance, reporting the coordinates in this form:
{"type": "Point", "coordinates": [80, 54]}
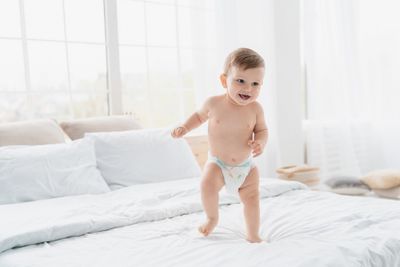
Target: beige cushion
{"type": "Point", "coordinates": [77, 128]}
{"type": "Point", "coordinates": [389, 193]}
{"type": "Point", "coordinates": [35, 132]}
{"type": "Point", "coordinates": [382, 179]}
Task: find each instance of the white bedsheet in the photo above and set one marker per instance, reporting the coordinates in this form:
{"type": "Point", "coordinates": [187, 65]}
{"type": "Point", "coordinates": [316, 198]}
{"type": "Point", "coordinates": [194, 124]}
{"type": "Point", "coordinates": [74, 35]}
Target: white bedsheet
{"type": "Point", "coordinates": [155, 225]}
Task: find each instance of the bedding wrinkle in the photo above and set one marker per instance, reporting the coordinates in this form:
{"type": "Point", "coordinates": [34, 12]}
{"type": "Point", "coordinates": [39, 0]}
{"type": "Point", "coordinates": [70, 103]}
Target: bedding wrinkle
{"type": "Point", "coordinates": [151, 225]}
{"type": "Point", "coordinates": [60, 218]}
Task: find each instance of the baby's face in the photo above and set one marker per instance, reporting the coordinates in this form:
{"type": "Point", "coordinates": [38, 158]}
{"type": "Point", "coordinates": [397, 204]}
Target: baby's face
{"type": "Point", "coordinates": [243, 86]}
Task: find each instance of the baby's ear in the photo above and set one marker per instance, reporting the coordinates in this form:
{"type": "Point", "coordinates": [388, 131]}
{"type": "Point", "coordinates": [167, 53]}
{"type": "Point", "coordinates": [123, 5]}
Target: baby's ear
{"type": "Point", "coordinates": [222, 78]}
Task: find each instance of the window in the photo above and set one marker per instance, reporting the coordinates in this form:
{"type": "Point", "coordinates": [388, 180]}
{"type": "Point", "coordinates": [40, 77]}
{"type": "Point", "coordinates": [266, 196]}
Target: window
{"type": "Point", "coordinates": [54, 62]}
{"type": "Point", "coordinates": [164, 47]}
{"type": "Point", "coordinates": [60, 60]}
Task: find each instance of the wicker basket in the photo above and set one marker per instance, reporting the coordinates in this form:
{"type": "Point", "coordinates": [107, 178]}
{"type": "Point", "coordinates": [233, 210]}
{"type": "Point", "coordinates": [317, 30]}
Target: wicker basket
{"type": "Point", "coordinates": [301, 173]}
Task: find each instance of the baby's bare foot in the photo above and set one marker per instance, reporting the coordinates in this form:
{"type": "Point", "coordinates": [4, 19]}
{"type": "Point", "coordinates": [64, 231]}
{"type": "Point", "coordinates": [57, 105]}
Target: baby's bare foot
{"type": "Point", "coordinates": [208, 226]}
{"type": "Point", "coordinates": [255, 239]}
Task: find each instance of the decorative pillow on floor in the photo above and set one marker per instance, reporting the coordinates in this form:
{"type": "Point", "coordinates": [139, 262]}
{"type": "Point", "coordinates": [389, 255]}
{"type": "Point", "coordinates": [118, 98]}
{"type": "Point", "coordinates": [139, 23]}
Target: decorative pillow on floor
{"type": "Point", "coordinates": [347, 185]}
{"type": "Point", "coordinates": [30, 173]}
{"type": "Point", "coordinates": [77, 128]}
{"type": "Point", "coordinates": [143, 156]}
{"type": "Point", "coordinates": [382, 179]}
{"type": "Point", "coordinates": [388, 193]}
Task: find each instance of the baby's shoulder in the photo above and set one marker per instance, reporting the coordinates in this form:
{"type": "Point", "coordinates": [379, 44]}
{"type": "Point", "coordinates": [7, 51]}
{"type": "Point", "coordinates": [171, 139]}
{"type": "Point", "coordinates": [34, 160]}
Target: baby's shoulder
{"type": "Point", "coordinates": [256, 106]}
{"type": "Point", "coordinates": [217, 98]}
{"type": "Point", "coordinates": [214, 100]}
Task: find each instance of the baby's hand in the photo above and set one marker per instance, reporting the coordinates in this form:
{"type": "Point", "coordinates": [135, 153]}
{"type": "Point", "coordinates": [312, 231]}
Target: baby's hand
{"type": "Point", "coordinates": [257, 147]}
{"type": "Point", "coordinates": [179, 132]}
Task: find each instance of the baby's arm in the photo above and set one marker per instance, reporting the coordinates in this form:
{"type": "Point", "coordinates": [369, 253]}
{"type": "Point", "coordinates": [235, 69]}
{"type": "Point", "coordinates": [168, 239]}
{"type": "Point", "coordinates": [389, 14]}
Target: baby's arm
{"type": "Point", "coordinates": [194, 121]}
{"type": "Point", "coordinates": [260, 133]}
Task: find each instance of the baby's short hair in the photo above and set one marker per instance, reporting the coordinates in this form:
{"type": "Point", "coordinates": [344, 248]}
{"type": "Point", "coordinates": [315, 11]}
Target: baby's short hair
{"type": "Point", "coordinates": [244, 58]}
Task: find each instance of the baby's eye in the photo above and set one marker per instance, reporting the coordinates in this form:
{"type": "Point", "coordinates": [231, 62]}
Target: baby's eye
{"type": "Point", "coordinates": [255, 84]}
{"type": "Point", "coordinates": [240, 80]}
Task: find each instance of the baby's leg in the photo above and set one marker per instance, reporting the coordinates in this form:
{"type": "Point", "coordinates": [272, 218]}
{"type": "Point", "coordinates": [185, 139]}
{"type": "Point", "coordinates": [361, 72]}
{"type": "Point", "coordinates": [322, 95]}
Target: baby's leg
{"type": "Point", "coordinates": [249, 195]}
{"type": "Point", "coordinates": [211, 184]}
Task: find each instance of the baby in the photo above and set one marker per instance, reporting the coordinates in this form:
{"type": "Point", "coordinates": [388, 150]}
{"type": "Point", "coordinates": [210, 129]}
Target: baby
{"type": "Point", "coordinates": [237, 132]}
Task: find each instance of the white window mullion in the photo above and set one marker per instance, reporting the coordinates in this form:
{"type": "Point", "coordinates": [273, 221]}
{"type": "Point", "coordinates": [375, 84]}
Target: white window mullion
{"type": "Point", "coordinates": [71, 109]}
{"type": "Point", "coordinates": [25, 53]}
{"type": "Point", "coordinates": [146, 40]}
{"type": "Point", "coordinates": [112, 50]}
{"type": "Point", "coordinates": [179, 78]}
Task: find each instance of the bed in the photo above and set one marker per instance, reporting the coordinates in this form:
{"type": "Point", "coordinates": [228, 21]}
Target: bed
{"type": "Point", "coordinates": [154, 223]}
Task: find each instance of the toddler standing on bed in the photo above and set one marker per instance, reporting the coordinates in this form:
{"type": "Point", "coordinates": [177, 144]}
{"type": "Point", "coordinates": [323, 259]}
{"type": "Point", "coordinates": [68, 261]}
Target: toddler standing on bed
{"type": "Point", "coordinates": [237, 132]}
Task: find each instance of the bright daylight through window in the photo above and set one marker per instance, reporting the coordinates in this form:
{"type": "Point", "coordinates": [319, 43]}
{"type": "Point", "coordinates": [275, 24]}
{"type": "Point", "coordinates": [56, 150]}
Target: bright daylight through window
{"type": "Point", "coordinates": [56, 62]}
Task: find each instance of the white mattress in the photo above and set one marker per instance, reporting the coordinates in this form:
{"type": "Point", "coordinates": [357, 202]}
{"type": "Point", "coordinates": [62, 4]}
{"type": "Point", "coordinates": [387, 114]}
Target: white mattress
{"type": "Point", "coordinates": [155, 225]}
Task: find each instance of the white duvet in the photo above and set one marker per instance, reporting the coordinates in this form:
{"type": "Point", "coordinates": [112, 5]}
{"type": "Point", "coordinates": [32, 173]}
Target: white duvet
{"type": "Point", "coordinates": [155, 225]}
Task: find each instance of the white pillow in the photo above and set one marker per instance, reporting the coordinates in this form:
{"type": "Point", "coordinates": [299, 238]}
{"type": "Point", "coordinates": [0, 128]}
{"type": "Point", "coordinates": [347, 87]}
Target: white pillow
{"type": "Point", "coordinates": [143, 156]}
{"type": "Point", "coordinates": [44, 171]}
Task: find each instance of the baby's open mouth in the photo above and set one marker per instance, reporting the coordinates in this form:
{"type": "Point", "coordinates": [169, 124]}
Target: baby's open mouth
{"type": "Point", "coordinates": [244, 96]}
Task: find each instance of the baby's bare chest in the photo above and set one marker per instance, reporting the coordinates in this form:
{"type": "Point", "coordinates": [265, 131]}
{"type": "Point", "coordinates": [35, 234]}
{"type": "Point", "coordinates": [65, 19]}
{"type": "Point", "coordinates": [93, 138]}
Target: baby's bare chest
{"type": "Point", "coordinates": [231, 122]}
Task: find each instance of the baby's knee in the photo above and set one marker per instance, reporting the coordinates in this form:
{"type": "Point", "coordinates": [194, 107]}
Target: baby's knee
{"type": "Point", "coordinates": [209, 186]}
{"type": "Point", "coordinates": [251, 197]}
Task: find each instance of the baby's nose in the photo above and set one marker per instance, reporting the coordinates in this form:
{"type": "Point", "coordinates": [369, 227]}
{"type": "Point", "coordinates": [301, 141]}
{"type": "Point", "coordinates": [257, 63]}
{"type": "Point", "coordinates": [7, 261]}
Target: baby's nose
{"type": "Point", "coordinates": [247, 88]}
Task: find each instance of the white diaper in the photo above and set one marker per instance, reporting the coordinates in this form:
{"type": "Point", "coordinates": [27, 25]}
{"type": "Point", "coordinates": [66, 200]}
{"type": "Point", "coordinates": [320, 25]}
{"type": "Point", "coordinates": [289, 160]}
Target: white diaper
{"type": "Point", "coordinates": [234, 176]}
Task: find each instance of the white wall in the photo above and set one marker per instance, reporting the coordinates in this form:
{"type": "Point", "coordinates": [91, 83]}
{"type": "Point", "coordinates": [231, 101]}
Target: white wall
{"type": "Point", "coordinates": [289, 81]}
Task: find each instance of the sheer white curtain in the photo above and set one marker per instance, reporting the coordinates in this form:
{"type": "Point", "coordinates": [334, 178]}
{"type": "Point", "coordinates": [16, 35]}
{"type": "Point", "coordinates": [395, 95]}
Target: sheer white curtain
{"type": "Point", "coordinates": [352, 56]}
{"type": "Point", "coordinates": [379, 44]}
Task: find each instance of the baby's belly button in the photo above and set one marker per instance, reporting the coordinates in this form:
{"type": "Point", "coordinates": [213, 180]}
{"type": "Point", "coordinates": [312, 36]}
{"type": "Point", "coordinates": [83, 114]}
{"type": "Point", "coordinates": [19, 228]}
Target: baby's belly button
{"type": "Point", "coordinates": [233, 160]}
